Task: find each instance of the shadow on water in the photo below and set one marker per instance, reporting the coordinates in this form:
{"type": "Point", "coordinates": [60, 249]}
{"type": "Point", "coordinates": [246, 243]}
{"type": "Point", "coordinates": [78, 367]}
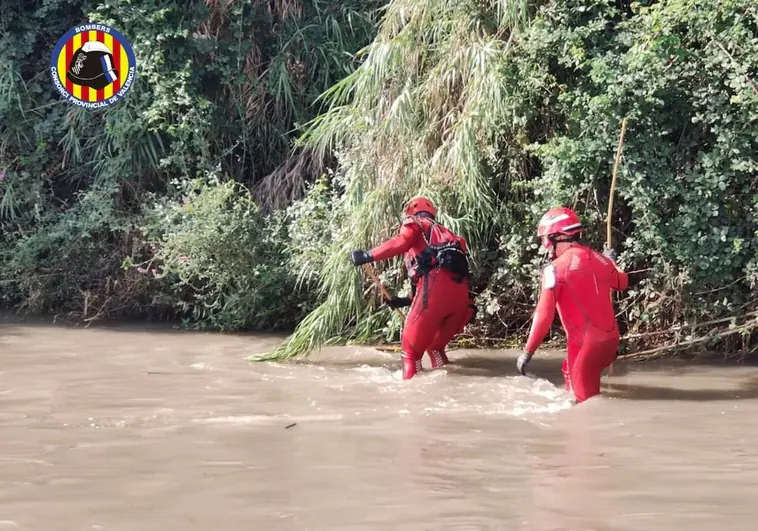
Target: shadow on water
{"type": "Point", "coordinates": [548, 368]}
{"type": "Point", "coordinates": [131, 326]}
{"type": "Point", "coordinates": [722, 379]}
{"type": "Point", "coordinates": [748, 390]}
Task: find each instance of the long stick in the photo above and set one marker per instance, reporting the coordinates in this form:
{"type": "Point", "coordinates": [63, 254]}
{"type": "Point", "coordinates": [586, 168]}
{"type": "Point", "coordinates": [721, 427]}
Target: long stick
{"type": "Point", "coordinates": [371, 273]}
{"type": "Point", "coordinates": [608, 218]}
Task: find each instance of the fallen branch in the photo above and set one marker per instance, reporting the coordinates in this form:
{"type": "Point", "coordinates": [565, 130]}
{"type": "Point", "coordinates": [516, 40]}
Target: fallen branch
{"type": "Point", "coordinates": [371, 273]}
{"type": "Point", "coordinates": [676, 346]}
{"type": "Point", "coordinates": [684, 327]}
{"type": "Point", "coordinates": [715, 290]}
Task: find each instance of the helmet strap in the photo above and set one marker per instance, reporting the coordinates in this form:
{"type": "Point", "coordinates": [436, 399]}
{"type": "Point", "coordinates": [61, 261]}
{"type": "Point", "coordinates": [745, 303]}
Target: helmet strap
{"type": "Point", "coordinates": [555, 239]}
{"type": "Point", "coordinates": [564, 238]}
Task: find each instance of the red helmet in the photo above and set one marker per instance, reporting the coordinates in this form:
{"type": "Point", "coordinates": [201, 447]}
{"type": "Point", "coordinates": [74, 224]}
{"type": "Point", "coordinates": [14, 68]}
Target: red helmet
{"type": "Point", "coordinates": [420, 204]}
{"type": "Point", "coordinates": [558, 221]}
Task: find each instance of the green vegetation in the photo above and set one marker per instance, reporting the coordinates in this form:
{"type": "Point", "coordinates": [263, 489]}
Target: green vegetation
{"type": "Point", "coordinates": [188, 199]}
{"type": "Point", "coordinates": [164, 204]}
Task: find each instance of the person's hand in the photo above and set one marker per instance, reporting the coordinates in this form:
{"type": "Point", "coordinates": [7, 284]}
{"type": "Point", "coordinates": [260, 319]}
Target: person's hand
{"type": "Point", "coordinates": [399, 302]}
{"type": "Point", "coordinates": [361, 257]}
{"type": "Point", "coordinates": [522, 361]}
{"type": "Point", "coordinates": [610, 254]}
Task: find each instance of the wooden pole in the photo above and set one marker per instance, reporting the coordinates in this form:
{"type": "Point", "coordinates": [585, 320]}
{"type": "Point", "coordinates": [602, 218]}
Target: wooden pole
{"type": "Point", "coordinates": [608, 218]}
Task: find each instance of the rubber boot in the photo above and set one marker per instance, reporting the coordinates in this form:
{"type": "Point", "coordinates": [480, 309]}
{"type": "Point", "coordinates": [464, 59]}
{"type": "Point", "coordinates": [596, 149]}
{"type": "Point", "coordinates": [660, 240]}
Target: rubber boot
{"type": "Point", "coordinates": [439, 358]}
{"type": "Point", "coordinates": [410, 367]}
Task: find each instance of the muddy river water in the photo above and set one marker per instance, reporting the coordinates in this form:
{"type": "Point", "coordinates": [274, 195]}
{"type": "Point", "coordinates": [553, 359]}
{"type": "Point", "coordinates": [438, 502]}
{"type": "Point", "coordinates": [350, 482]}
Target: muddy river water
{"type": "Point", "coordinates": [144, 428]}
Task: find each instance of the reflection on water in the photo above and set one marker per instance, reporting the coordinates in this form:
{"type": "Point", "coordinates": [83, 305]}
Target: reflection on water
{"type": "Point", "coordinates": [150, 429]}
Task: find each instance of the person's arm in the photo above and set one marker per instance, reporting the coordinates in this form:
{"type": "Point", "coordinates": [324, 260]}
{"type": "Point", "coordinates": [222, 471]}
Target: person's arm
{"type": "Point", "coordinates": [399, 244]}
{"type": "Point", "coordinates": [395, 246]}
{"type": "Point", "coordinates": [619, 279]}
{"type": "Point", "coordinates": [543, 318]}
{"type": "Point", "coordinates": [544, 313]}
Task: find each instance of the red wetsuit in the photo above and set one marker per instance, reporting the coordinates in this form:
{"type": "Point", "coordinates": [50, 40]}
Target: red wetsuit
{"type": "Point", "coordinates": [440, 307]}
{"type": "Point", "coordinates": [579, 283]}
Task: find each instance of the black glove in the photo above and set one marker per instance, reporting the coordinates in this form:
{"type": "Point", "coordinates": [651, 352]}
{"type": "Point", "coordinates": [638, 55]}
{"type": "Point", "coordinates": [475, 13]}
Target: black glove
{"type": "Point", "coordinates": [522, 361]}
{"type": "Point", "coordinates": [399, 302]}
{"type": "Point", "coordinates": [361, 257]}
{"type": "Point", "coordinates": [610, 253]}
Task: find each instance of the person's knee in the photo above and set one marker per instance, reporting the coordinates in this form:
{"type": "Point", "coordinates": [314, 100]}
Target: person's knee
{"type": "Point", "coordinates": [586, 390]}
{"type": "Point", "coordinates": [585, 375]}
{"type": "Point", "coordinates": [409, 348]}
{"type": "Point", "coordinates": [417, 337]}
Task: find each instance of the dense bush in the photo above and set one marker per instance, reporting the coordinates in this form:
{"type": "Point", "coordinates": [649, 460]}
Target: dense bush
{"type": "Point", "coordinates": [221, 262]}
{"type": "Point", "coordinates": [220, 90]}
{"type": "Point", "coordinates": [69, 262]}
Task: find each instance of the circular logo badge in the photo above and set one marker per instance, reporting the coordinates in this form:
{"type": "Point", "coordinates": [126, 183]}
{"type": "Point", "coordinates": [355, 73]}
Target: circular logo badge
{"type": "Point", "coordinates": [93, 66]}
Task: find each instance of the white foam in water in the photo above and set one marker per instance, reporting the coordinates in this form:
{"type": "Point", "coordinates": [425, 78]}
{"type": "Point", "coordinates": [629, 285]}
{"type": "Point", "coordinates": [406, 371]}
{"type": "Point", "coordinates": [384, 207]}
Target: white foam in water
{"type": "Point", "coordinates": [528, 403]}
{"type": "Point", "coordinates": [433, 392]}
{"type": "Point", "coordinates": [368, 368]}
{"type": "Point", "coordinates": [378, 375]}
{"type": "Point", "coordinates": [268, 419]}
{"type": "Point", "coordinates": [501, 396]}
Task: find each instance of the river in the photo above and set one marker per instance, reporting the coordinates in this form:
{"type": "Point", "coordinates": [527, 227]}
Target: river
{"type": "Point", "coordinates": [146, 428]}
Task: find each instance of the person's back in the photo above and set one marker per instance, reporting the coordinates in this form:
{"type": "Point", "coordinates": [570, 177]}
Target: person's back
{"type": "Point", "coordinates": [431, 242]}
{"type": "Point", "coordinates": [584, 281]}
{"type": "Point", "coordinates": [577, 283]}
{"type": "Point", "coordinates": [437, 264]}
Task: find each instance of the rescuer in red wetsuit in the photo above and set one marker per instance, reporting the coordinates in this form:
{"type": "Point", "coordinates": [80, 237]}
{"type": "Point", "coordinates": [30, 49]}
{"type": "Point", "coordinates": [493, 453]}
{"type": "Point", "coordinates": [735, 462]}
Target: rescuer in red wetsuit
{"type": "Point", "coordinates": [437, 264]}
{"type": "Point", "coordinates": [578, 282]}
